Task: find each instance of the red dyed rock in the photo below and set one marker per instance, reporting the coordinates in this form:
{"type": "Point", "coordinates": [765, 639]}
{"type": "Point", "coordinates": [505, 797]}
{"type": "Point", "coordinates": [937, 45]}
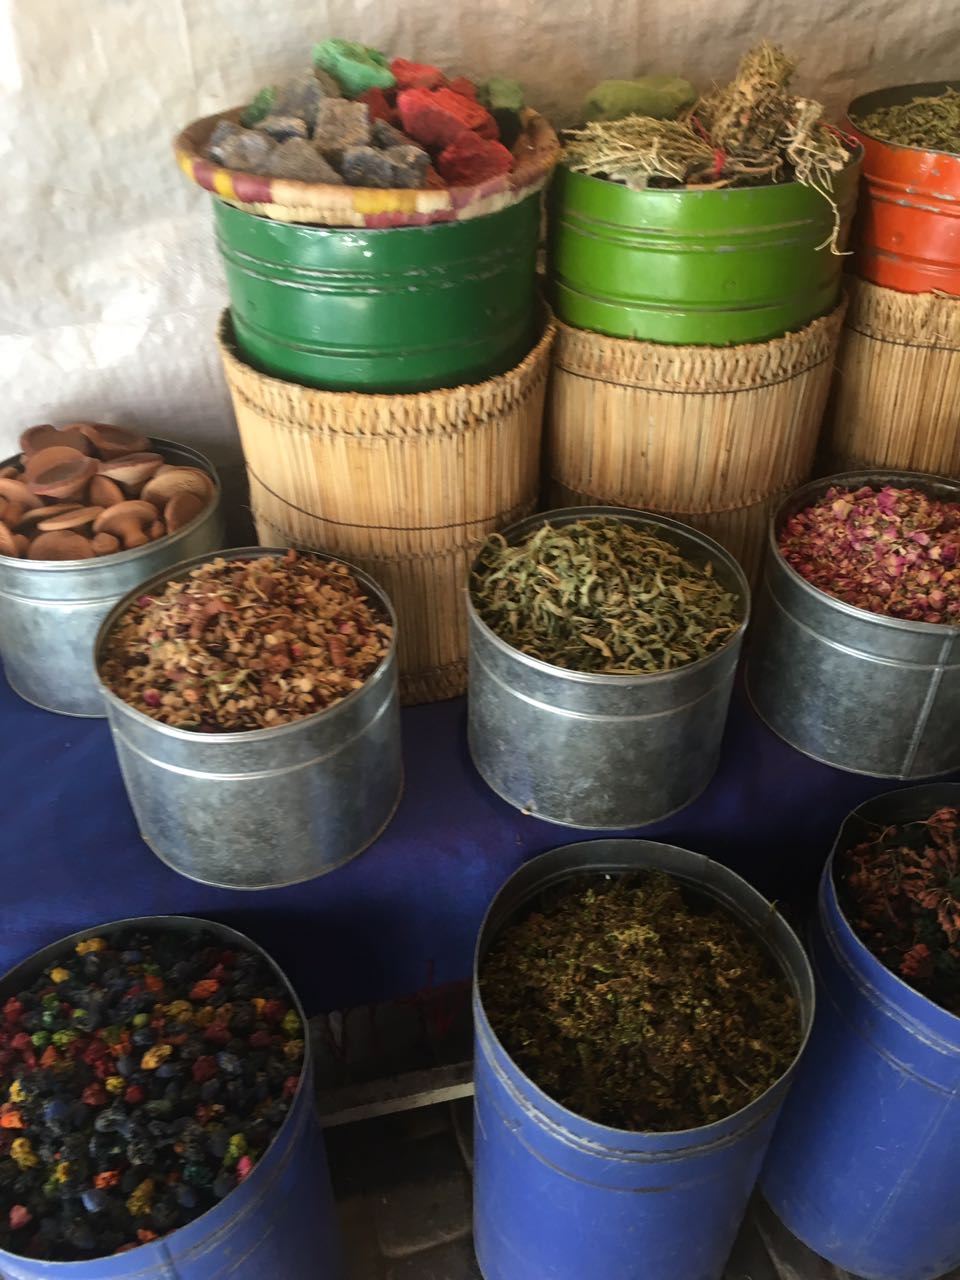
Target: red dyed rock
{"type": "Point", "coordinates": [380, 106]}
{"type": "Point", "coordinates": [436, 119]}
{"type": "Point", "coordinates": [416, 75]}
{"type": "Point", "coordinates": [466, 88]}
{"type": "Point", "coordinates": [471, 159]}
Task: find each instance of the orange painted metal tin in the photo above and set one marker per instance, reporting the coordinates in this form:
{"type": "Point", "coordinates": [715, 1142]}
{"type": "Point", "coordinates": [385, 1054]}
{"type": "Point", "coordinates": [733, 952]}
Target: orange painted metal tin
{"type": "Point", "coordinates": [907, 233]}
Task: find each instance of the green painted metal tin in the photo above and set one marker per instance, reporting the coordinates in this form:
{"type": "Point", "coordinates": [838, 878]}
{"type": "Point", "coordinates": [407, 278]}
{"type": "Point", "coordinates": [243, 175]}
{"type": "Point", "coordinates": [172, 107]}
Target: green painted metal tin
{"type": "Point", "coordinates": [402, 309]}
{"type": "Point", "coordinates": [706, 268]}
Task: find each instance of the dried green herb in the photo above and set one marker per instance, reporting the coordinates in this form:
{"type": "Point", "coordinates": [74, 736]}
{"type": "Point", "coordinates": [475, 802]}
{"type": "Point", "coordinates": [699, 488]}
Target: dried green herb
{"type": "Point", "coordinates": [932, 123]}
{"type": "Point", "coordinates": [601, 595]}
{"type": "Point", "coordinates": [638, 1005]}
{"type": "Point", "coordinates": [900, 890]}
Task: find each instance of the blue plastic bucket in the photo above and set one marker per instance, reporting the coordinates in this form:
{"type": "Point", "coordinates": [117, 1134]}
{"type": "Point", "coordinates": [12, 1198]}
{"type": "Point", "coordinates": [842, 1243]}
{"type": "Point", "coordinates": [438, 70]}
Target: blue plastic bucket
{"type": "Point", "coordinates": [279, 1221]}
{"type": "Point", "coordinates": [865, 1165]}
{"type": "Point", "coordinates": [558, 1197]}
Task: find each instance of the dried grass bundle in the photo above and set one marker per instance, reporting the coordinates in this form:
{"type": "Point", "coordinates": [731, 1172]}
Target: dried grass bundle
{"type": "Point", "coordinates": [750, 131]}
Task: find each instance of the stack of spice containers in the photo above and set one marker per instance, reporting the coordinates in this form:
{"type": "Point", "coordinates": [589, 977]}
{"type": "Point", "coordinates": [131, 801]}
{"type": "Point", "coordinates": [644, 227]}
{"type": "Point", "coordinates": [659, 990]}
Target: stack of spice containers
{"type": "Point", "coordinates": [695, 267]}
{"type": "Point", "coordinates": [385, 347]}
{"type": "Point", "coordinates": [898, 381]}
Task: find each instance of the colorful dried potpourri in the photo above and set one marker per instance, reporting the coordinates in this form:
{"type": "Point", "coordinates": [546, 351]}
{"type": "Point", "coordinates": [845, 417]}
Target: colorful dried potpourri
{"type": "Point", "coordinates": [931, 123]}
{"type": "Point", "coordinates": [638, 1005]}
{"type": "Point", "coordinates": [890, 551]}
{"type": "Point", "coordinates": [900, 890]}
{"type": "Point", "coordinates": [142, 1077]}
{"type": "Point", "coordinates": [601, 595]}
{"type": "Point", "coordinates": [247, 644]}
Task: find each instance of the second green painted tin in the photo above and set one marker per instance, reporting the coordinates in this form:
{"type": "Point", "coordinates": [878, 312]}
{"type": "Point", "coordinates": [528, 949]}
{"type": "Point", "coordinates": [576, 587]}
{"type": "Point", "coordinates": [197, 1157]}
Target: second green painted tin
{"type": "Point", "coordinates": [397, 310]}
{"type": "Point", "coordinates": [705, 268]}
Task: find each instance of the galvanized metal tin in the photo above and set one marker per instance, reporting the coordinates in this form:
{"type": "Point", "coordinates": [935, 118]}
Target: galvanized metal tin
{"type": "Point", "coordinates": [280, 1221]}
{"type": "Point", "coordinates": [601, 751]}
{"type": "Point", "coordinates": [694, 267]}
{"type": "Point", "coordinates": [397, 310]}
{"type": "Point", "coordinates": [856, 690]}
{"type": "Point", "coordinates": [863, 1166]}
{"type": "Point", "coordinates": [907, 232]}
{"type": "Point", "coordinates": [269, 807]}
{"type": "Point", "coordinates": [560, 1196]}
{"type": "Point", "coordinates": [51, 610]}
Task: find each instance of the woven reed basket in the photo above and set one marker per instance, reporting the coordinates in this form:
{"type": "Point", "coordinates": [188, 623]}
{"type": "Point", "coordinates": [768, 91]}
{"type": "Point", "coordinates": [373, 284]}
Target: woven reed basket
{"type": "Point", "coordinates": [714, 436]}
{"type": "Point", "coordinates": [896, 398]}
{"type": "Point", "coordinates": [405, 486]}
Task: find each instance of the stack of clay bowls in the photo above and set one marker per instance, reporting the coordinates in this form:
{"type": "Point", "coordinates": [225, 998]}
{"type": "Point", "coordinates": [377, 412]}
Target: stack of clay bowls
{"type": "Point", "coordinates": [92, 490]}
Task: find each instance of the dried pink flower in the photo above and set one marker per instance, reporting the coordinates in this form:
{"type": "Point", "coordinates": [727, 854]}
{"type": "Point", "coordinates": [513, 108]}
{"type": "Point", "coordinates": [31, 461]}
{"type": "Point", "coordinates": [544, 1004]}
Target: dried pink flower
{"type": "Point", "coordinates": [890, 551]}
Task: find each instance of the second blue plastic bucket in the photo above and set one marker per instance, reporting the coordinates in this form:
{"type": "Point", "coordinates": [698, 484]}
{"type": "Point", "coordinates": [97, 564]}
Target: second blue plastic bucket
{"type": "Point", "coordinates": [558, 1197]}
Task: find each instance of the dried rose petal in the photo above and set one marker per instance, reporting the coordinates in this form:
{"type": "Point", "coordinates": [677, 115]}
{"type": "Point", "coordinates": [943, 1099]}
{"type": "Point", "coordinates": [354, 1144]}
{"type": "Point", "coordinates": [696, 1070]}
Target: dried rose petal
{"type": "Point", "coordinates": [890, 551]}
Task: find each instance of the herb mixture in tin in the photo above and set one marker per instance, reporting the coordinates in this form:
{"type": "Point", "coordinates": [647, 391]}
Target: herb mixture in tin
{"type": "Point", "coordinates": [639, 1007]}
{"type": "Point", "coordinates": [900, 890]}
{"type": "Point", "coordinates": [931, 123]}
{"type": "Point", "coordinates": [891, 551]}
{"type": "Point", "coordinates": [246, 644]}
{"type": "Point", "coordinates": [142, 1076]}
{"type": "Point", "coordinates": [601, 595]}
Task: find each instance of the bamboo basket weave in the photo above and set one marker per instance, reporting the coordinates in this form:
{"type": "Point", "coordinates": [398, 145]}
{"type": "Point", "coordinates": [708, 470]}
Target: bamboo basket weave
{"type": "Point", "coordinates": [714, 436]}
{"type": "Point", "coordinates": [896, 398]}
{"type": "Point", "coordinates": [405, 486]}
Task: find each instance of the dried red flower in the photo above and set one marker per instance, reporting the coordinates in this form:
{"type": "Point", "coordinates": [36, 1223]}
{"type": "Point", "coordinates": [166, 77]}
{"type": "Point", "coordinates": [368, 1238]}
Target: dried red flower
{"type": "Point", "coordinates": [900, 890]}
{"type": "Point", "coordinates": [891, 551]}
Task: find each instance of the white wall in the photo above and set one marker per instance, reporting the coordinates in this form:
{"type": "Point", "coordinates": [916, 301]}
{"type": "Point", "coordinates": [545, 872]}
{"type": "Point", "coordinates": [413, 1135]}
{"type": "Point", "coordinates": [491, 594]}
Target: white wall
{"type": "Point", "coordinates": [109, 286]}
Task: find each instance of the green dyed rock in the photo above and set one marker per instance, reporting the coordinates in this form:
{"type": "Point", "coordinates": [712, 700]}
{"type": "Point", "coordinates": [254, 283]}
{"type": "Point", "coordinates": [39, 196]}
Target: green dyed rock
{"type": "Point", "coordinates": [356, 67]}
{"type": "Point", "coordinates": [501, 95]}
{"type": "Point", "coordinates": [660, 97]}
{"type": "Point", "coordinates": [260, 107]}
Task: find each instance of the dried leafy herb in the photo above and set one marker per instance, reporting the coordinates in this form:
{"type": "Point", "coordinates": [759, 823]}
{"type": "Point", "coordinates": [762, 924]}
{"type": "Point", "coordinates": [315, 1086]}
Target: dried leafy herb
{"type": "Point", "coordinates": [932, 123]}
{"type": "Point", "coordinates": [900, 890]}
{"type": "Point", "coordinates": [892, 551]}
{"type": "Point", "coordinates": [638, 1005]}
{"type": "Point", "coordinates": [246, 644]}
{"type": "Point", "coordinates": [604, 596]}
{"type": "Point", "coordinates": [750, 131]}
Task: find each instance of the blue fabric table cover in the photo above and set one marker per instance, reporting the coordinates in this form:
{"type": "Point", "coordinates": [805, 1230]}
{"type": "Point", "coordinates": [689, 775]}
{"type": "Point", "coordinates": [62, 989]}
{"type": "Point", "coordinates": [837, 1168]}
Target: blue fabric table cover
{"type": "Point", "coordinates": [405, 913]}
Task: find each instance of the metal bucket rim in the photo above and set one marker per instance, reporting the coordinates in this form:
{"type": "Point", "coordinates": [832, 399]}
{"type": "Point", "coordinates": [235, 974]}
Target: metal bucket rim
{"type": "Point", "coordinates": [806, 1014]}
{"type": "Point", "coordinates": [159, 922]}
{"type": "Point", "coordinates": [895, 95]}
{"type": "Point", "coordinates": [134, 553]}
{"type": "Point", "coordinates": [271, 732]}
{"type": "Point", "coordinates": [828, 891]}
{"type": "Point", "coordinates": [795, 501]}
{"type": "Point", "coordinates": [629, 515]}
{"type": "Point", "coordinates": [658, 195]}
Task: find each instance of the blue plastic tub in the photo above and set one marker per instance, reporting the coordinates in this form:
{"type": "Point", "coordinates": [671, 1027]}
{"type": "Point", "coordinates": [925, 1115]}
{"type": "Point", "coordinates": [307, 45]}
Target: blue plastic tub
{"type": "Point", "coordinates": [279, 1222]}
{"type": "Point", "coordinates": [865, 1165]}
{"type": "Point", "coordinates": [558, 1197]}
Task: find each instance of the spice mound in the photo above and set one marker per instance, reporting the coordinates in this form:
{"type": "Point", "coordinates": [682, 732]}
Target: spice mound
{"type": "Point", "coordinates": [900, 890]}
{"type": "Point", "coordinates": [143, 1075]}
{"type": "Point", "coordinates": [890, 551]}
{"type": "Point", "coordinates": [246, 644]}
{"type": "Point", "coordinates": [361, 119]}
{"type": "Point", "coordinates": [931, 123]}
{"type": "Point", "coordinates": [638, 1005]}
{"type": "Point", "coordinates": [600, 595]}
